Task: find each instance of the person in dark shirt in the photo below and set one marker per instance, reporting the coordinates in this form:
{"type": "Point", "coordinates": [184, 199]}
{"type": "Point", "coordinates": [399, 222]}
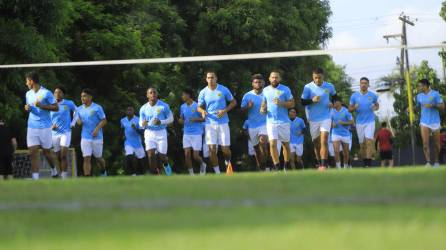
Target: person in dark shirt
{"type": "Point", "coordinates": [8, 145]}
{"type": "Point", "coordinates": [384, 139]}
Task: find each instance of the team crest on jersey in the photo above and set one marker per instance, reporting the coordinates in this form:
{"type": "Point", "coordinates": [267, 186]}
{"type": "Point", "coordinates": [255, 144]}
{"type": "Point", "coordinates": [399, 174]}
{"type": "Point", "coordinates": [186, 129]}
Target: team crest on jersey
{"type": "Point", "coordinates": [65, 107]}
{"type": "Point", "coordinates": [158, 110]}
{"type": "Point", "coordinates": [326, 91]}
{"type": "Point", "coordinates": [431, 98]}
{"type": "Point", "coordinates": [91, 112]}
{"type": "Point", "coordinates": [219, 94]}
{"type": "Point", "coordinates": [278, 93]}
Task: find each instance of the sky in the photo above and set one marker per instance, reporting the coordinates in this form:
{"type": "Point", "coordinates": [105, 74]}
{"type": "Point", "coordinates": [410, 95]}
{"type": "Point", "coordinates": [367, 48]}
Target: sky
{"type": "Point", "coordinates": [360, 24]}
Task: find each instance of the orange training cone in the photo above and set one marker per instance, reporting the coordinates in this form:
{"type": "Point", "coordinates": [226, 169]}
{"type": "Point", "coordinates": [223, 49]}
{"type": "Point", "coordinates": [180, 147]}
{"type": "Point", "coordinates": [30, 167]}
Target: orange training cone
{"type": "Point", "coordinates": [229, 170]}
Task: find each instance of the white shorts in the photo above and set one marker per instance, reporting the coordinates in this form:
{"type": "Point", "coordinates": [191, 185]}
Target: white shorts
{"type": "Point", "coordinates": [138, 152]}
{"type": "Point", "coordinates": [193, 141]}
{"type": "Point", "coordinates": [279, 132]}
{"type": "Point", "coordinates": [255, 133]}
{"type": "Point", "coordinates": [343, 139]}
{"type": "Point", "coordinates": [432, 127]}
{"type": "Point", "coordinates": [218, 134]}
{"type": "Point", "coordinates": [317, 127]}
{"type": "Point", "coordinates": [63, 140]}
{"type": "Point", "coordinates": [92, 147]}
{"type": "Point", "coordinates": [298, 149]}
{"type": "Point", "coordinates": [39, 137]}
{"type": "Point", "coordinates": [251, 150]}
{"type": "Point", "coordinates": [365, 131]}
{"type": "Point", "coordinates": [156, 139]}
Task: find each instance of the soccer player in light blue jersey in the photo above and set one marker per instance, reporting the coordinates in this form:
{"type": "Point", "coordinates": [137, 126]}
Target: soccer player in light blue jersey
{"type": "Point", "coordinates": [297, 129]}
{"type": "Point", "coordinates": [193, 126]}
{"type": "Point", "coordinates": [154, 116]}
{"type": "Point", "coordinates": [214, 103]}
{"type": "Point", "coordinates": [39, 102]}
{"type": "Point", "coordinates": [316, 98]}
{"type": "Point", "coordinates": [251, 103]}
{"type": "Point", "coordinates": [92, 118]}
{"type": "Point", "coordinates": [132, 143]}
{"type": "Point", "coordinates": [365, 103]}
{"type": "Point", "coordinates": [61, 129]}
{"type": "Point", "coordinates": [277, 99]}
{"type": "Point", "coordinates": [342, 119]}
{"type": "Point", "coordinates": [430, 102]}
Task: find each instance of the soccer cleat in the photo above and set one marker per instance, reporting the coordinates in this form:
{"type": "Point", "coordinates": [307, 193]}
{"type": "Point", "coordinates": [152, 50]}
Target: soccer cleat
{"type": "Point", "coordinates": [321, 168]}
{"type": "Point", "coordinates": [436, 165]}
{"type": "Point", "coordinates": [203, 169]}
{"type": "Point", "coordinates": [229, 170]}
{"type": "Point", "coordinates": [428, 165]}
{"type": "Point", "coordinates": [168, 170]}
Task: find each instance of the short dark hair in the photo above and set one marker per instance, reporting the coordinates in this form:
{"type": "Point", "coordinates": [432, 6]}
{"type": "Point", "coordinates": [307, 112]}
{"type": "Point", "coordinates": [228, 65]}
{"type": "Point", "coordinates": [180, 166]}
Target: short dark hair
{"type": "Point", "coordinates": [292, 109]}
{"type": "Point", "coordinates": [87, 91]}
{"type": "Point", "coordinates": [61, 89]}
{"type": "Point", "coordinates": [33, 76]}
{"type": "Point", "coordinates": [336, 98]}
{"type": "Point", "coordinates": [318, 71]}
{"type": "Point", "coordinates": [210, 72]}
{"type": "Point", "coordinates": [364, 79]}
{"type": "Point", "coordinates": [384, 124]}
{"type": "Point", "coordinates": [189, 92]}
{"type": "Point", "coordinates": [257, 77]}
{"type": "Point", "coordinates": [425, 82]}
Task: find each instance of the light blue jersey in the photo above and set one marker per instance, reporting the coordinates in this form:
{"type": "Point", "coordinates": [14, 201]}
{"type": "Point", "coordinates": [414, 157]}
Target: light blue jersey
{"type": "Point", "coordinates": [297, 131]}
{"type": "Point", "coordinates": [319, 111]}
{"type": "Point", "coordinates": [213, 101]}
{"type": "Point", "coordinates": [39, 118]}
{"type": "Point", "coordinates": [62, 118]}
{"type": "Point", "coordinates": [90, 117]}
{"type": "Point", "coordinates": [255, 118]}
{"type": "Point", "coordinates": [429, 116]}
{"type": "Point", "coordinates": [131, 131]}
{"type": "Point", "coordinates": [366, 102]}
{"type": "Point", "coordinates": [160, 110]}
{"type": "Point", "coordinates": [341, 115]}
{"type": "Point", "coordinates": [187, 112]}
{"type": "Point", "coordinates": [277, 114]}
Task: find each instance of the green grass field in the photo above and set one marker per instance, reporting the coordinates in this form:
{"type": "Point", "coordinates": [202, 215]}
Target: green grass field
{"type": "Point", "coordinates": [402, 208]}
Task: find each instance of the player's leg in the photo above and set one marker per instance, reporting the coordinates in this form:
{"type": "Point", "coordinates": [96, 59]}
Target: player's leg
{"type": "Point", "coordinates": [87, 151]}
{"type": "Point", "coordinates": [212, 141]}
{"type": "Point", "coordinates": [284, 137]}
{"type": "Point", "coordinates": [273, 136]}
{"type": "Point", "coordinates": [197, 142]}
{"type": "Point", "coordinates": [315, 136]}
{"type": "Point", "coordinates": [293, 156]}
{"type": "Point", "coordinates": [299, 153]}
{"type": "Point", "coordinates": [263, 150]}
{"type": "Point", "coordinates": [162, 146]}
{"type": "Point", "coordinates": [98, 147]}
{"type": "Point", "coordinates": [336, 146]}
{"type": "Point", "coordinates": [65, 141]}
{"type": "Point", "coordinates": [224, 137]}
{"type": "Point", "coordinates": [437, 147]}
{"type": "Point", "coordinates": [425, 131]}
{"type": "Point", "coordinates": [346, 152]}
{"type": "Point", "coordinates": [33, 143]}
{"type": "Point", "coordinates": [188, 160]}
{"type": "Point", "coordinates": [324, 148]}
{"type": "Point", "coordinates": [46, 142]}
{"type": "Point", "coordinates": [56, 149]}
{"type": "Point", "coordinates": [140, 160]}
{"type": "Point", "coordinates": [152, 158]}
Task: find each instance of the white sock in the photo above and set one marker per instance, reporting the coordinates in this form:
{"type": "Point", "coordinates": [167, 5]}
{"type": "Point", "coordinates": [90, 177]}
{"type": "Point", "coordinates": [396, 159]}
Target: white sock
{"type": "Point", "coordinates": [203, 168]}
{"type": "Point", "coordinates": [191, 171]}
{"type": "Point", "coordinates": [217, 170]}
{"type": "Point", "coordinates": [63, 174]}
{"type": "Point", "coordinates": [35, 176]}
{"type": "Point", "coordinates": [53, 171]}
{"type": "Point", "coordinates": [267, 169]}
{"type": "Point", "coordinates": [345, 165]}
{"type": "Point", "coordinates": [338, 164]}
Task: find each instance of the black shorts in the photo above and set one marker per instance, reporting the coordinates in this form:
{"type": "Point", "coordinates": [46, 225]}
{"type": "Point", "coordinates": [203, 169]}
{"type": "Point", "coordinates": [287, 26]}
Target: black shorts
{"type": "Point", "coordinates": [5, 164]}
{"type": "Point", "coordinates": [386, 155]}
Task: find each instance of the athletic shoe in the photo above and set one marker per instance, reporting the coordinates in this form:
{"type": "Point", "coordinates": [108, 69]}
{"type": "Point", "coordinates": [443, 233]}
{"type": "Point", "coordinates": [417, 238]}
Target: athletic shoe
{"type": "Point", "coordinates": [436, 165]}
{"type": "Point", "coordinates": [428, 165]}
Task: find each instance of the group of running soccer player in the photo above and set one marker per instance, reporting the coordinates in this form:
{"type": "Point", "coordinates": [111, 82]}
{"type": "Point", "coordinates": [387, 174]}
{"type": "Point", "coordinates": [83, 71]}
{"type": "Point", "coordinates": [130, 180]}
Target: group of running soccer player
{"type": "Point", "coordinates": [272, 125]}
